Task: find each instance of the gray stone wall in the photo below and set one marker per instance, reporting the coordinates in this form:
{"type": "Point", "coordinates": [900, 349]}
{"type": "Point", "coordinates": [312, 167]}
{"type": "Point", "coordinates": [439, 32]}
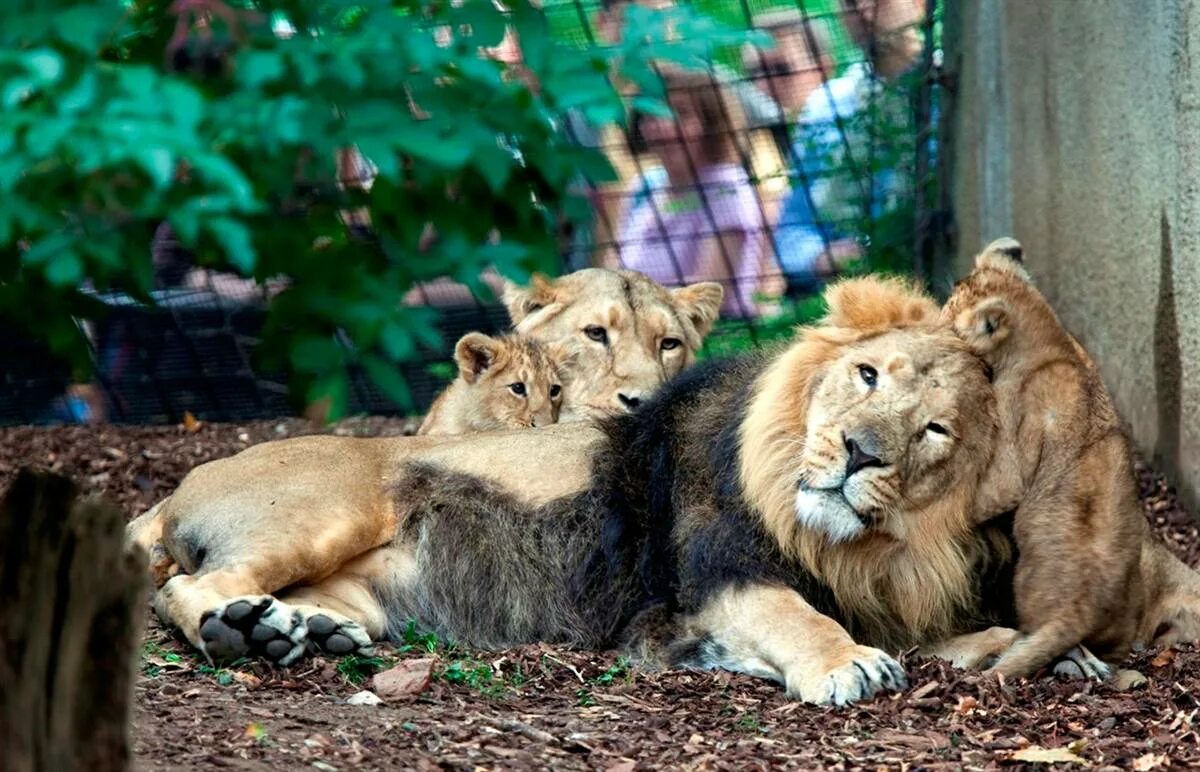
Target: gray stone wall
{"type": "Point", "coordinates": [1076, 129]}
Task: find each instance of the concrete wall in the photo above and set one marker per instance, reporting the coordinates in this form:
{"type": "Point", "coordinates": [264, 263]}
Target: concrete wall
{"type": "Point", "coordinates": [1077, 130]}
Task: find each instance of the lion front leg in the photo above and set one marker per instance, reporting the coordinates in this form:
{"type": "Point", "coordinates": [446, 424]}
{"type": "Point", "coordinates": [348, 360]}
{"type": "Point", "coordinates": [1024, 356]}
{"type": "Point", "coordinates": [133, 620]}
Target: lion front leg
{"type": "Point", "coordinates": [772, 632]}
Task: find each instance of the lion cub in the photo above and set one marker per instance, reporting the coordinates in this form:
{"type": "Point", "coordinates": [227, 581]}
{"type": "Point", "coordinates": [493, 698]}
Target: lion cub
{"type": "Point", "coordinates": [510, 382]}
{"type": "Point", "coordinates": [1063, 461]}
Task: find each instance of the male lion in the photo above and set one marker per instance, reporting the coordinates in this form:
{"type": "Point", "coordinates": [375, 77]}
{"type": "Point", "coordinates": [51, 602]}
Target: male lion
{"type": "Point", "coordinates": [509, 382]}
{"type": "Point", "coordinates": [789, 513]}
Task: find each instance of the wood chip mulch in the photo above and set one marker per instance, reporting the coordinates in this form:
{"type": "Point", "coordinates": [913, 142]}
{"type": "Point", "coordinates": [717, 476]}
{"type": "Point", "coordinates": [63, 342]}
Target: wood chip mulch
{"type": "Point", "coordinates": [542, 707]}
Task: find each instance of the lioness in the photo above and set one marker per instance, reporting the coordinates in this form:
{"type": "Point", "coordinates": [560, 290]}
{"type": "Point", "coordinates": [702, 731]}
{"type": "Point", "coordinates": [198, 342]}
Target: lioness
{"type": "Point", "coordinates": [509, 382]}
{"type": "Point", "coordinates": [792, 512]}
{"type": "Point", "coordinates": [632, 334]}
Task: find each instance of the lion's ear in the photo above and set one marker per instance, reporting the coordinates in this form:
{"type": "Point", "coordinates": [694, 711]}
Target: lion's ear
{"type": "Point", "coordinates": [523, 301]}
{"type": "Point", "coordinates": [1005, 255]}
{"type": "Point", "coordinates": [985, 325]}
{"type": "Point", "coordinates": [474, 353]}
{"type": "Point", "coordinates": [700, 303]}
{"type": "Point", "coordinates": [877, 302]}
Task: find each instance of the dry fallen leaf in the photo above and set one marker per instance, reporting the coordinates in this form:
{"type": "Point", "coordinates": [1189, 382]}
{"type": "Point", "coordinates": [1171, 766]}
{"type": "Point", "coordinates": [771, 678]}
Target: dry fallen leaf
{"type": "Point", "coordinates": [1164, 658]}
{"type": "Point", "coordinates": [249, 679]}
{"type": "Point", "coordinates": [407, 679]}
{"type": "Point", "coordinates": [190, 422]}
{"type": "Point", "coordinates": [965, 705]}
{"type": "Point", "coordinates": [1151, 761]}
{"type": "Point", "coordinates": [1037, 755]}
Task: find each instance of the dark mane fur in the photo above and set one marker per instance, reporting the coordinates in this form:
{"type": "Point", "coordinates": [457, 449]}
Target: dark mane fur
{"type": "Point", "coordinates": [662, 527]}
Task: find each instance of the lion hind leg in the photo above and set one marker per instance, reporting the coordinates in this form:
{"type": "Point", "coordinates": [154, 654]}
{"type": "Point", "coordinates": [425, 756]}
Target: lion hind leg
{"type": "Point", "coordinates": [1038, 649]}
{"type": "Point", "coordinates": [342, 611]}
{"type": "Point", "coordinates": [974, 650]}
{"type": "Point", "coordinates": [226, 615]}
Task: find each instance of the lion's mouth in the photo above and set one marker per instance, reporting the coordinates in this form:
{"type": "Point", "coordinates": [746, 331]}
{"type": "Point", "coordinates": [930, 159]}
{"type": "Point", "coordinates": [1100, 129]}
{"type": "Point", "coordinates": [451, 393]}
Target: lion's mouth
{"type": "Point", "coordinates": [837, 493]}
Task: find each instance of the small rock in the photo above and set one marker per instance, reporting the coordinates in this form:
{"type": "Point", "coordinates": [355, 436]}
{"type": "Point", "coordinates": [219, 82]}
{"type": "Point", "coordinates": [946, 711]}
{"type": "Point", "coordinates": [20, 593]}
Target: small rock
{"type": "Point", "coordinates": [1125, 680]}
{"type": "Point", "coordinates": [364, 698]}
{"type": "Point", "coordinates": [323, 766]}
{"type": "Point", "coordinates": [410, 677]}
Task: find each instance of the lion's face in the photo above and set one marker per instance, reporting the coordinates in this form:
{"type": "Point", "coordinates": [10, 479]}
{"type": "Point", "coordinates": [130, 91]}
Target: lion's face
{"type": "Point", "coordinates": [895, 423]}
{"type": "Point", "coordinates": [629, 333]}
{"type": "Point", "coordinates": [515, 382]}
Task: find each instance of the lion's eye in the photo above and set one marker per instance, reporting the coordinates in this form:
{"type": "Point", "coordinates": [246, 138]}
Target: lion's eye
{"type": "Point", "coordinates": [936, 428]}
{"type": "Point", "coordinates": [670, 343]}
{"type": "Point", "coordinates": [555, 390]}
{"type": "Point", "coordinates": [517, 388]}
{"type": "Point", "coordinates": [869, 374]}
{"type": "Point", "coordinates": [596, 333]}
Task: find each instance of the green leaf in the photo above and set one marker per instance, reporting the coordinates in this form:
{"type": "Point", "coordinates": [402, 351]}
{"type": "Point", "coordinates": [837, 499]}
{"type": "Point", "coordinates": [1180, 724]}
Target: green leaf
{"type": "Point", "coordinates": [315, 354]}
{"type": "Point", "coordinates": [234, 238]}
{"type": "Point", "coordinates": [65, 269]}
{"type": "Point", "coordinates": [388, 379]}
{"type": "Point", "coordinates": [257, 68]}
{"type": "Point", "coordinates": [334, 387]}
{"type": "Point", "coordinates": [159, 163]}
{"type": "Point", "coordinates": [46, 64]}
{"type": "Point", "coordinates": [397, 342]}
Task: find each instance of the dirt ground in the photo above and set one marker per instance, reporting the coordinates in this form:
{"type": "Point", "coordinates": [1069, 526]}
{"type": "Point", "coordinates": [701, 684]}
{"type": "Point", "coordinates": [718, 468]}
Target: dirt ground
{"type": "Point", "coordinates": [541, 707]}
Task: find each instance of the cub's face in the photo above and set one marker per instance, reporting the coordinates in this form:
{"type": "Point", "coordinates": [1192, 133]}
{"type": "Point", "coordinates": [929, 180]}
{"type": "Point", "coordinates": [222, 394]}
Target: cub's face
{"type": "Point", "coordinates": [515, 382]}
{"type": "Point", "coordinates": [894, 424]}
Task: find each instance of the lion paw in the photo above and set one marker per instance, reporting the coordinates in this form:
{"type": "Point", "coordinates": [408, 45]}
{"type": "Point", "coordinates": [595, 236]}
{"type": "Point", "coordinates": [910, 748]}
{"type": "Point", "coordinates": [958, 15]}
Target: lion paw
{"type": "Point", "coordinates": [334, 634]}
{"type": "Point", "coordinates": [1079, 663]}
{"type": "Point", "coordinates": [866, 673]}
{"type": "Point", "coordinates": [254, 626]}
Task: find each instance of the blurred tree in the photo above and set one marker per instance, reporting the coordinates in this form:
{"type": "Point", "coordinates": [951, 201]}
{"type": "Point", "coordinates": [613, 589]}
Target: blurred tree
{"type": "Point", "coordinates": [225, 118]}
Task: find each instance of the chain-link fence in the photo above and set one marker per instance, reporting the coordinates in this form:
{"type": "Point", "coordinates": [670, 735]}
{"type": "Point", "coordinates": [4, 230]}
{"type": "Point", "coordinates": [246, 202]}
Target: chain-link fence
{"type": "Point", "coordinates": [781, 167]}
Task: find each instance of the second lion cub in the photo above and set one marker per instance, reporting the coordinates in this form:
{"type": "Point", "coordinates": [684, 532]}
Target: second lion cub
{"type": "Point", "coordinates": [509, 382]}
{"type": "Point", "coordinates": [1064, 461]}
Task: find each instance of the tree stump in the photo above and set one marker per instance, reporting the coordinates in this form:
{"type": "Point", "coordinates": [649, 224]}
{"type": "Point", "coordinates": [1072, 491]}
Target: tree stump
{"type": "Point", "coordinates": [72, 605]}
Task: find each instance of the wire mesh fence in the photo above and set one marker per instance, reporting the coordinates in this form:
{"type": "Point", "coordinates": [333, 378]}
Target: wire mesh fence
{"type": "Point", "coordinates": [780, 167]}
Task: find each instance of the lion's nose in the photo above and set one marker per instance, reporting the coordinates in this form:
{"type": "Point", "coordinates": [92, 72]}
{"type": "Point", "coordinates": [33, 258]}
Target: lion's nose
{"type": "Point", "coordinates": [630, 401]}
{"type": "Point", "coordinates": [859, 458]}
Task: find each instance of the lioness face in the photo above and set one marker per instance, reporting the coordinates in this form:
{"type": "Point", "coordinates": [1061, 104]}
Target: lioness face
{"type": "Point", "coordinates": [894, 424]}
{"type": "Point", "coordinates": [630, 334]}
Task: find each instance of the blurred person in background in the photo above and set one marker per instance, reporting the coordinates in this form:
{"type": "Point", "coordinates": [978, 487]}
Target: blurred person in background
{"type": "Point", "coordinates": [847, 166]}
{"type": "Point", "coordinates": [704, 221]}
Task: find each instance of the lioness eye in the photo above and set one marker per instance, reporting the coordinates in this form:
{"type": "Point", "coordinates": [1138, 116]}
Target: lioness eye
{"type": "Point", "coordinates": [555, 390]}
{"type": "Point", "coordinates": [670, 343]}
{"type": "Point", "coordinates": [868, 374]}
{"type": "Point", "coordinates": [936, 428]}
{"type": "Point", "coordinates": [517, 388]}
{"type": "Point", "coordinates": [598, 334]}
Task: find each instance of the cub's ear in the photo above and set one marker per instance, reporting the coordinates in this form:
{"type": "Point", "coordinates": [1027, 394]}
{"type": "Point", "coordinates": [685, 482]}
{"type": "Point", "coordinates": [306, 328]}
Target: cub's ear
{"type": "Point", "coordinates": [474, 353]}
{"type": "Point", "coordinates": [523, 301]}
{"type": "Point", "coordinates": [874, 303]}
{"type": "Point", "coordinates": [700, 303]}
{"type": "Point", "coordinates": [1005, 255]}
{"type": "Point", "coordinates": [985, 325]}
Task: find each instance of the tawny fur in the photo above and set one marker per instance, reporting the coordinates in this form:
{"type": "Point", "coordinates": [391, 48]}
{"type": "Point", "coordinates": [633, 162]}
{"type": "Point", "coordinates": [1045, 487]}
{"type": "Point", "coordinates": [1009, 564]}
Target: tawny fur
{"type": "Point", "coordinates": [509, 382]}
{"type": "Point", "coordinates": [630, 333]}
{"type": "Point", "coordinates": [581, 533]}
{"type": "Point", "coordinates": [1064, 462]}
{"type": "Point", "coordinates": [916, 575]}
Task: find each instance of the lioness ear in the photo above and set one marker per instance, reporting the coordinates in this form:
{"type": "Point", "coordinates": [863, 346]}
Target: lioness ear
{"type": "Point", "coordinates": [563, 355]}
{"type": "Point", "coordinates": [474, 353]}
{"type": "Point", "coordinates": [523, 301]}
{"type": "Point", "coordinates": [1006, 255]}
{"type": "Point", "coordinates": [875, 302]}
{"type": "Point", "coordinates": [700, 303]}
{"type": "Point", "coordinates": [985, 325]}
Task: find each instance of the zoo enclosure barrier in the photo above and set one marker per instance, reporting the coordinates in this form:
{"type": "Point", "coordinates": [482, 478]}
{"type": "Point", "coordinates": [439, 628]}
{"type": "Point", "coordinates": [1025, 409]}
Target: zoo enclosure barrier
{"type": "Point", "coordinates": [822, 154]}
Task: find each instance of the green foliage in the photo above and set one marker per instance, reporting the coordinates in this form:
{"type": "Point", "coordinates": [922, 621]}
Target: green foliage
{"type": "Point", "coordinates": [98, 145]}
{"type": "Point", "coordinates": [355, 669]}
